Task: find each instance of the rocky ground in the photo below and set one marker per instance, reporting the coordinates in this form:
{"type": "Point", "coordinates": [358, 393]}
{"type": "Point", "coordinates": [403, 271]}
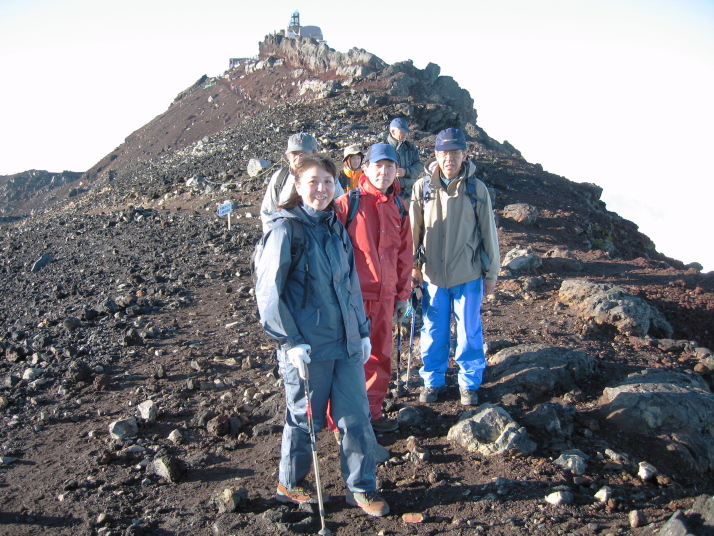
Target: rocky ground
{"type": "Point", "coordinates": [141, 308]}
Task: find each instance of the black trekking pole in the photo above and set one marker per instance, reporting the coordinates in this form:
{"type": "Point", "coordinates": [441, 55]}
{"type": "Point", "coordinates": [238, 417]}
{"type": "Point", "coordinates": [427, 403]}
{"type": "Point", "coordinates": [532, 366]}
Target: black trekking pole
{"type": "Point", "coordinates": [313, 442]}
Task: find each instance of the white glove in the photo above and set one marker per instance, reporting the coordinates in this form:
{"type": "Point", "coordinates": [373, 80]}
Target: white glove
{"type": "Point", "coordinates": [299, 356]}
{"type": "Point", "coordinates": [366, 349]}
{"type": "Point", "coordinates": [400, 308]}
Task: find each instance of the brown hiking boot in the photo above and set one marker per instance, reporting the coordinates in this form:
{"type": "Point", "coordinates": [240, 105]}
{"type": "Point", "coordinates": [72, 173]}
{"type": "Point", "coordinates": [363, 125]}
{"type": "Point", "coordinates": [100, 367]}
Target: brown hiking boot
{"type": "Point", "coordinates": [384, 424]}
{"type": "Point", "coordinates": [297, 495]}
{"type": "Point", "coordinates": [370, 501]}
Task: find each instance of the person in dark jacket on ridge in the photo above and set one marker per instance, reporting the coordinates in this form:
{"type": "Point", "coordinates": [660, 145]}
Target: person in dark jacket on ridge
{"type": "Point", "coordinates": [382, 241]}
{"type": "Point", "coordinates": [410, 164]}
{"type": "Point", "coordinates": [313, 310]}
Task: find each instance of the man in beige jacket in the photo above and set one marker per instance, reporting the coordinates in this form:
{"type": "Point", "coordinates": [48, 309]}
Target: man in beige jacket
{"type": "Point", "coordinates": [456, 262]}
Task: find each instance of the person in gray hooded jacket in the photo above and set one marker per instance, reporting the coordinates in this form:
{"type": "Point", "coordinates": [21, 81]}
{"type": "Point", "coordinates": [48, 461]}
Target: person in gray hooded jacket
{"type": "Point", "coordinates": [312, 308]}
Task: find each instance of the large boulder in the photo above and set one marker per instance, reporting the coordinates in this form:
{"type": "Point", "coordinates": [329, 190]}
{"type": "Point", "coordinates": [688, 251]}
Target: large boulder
{"type": "Point", "coordinates": [561, 260]}
{"type": "Point", "coordinates": [521, 213]}
{"type": "Point", "coordinates": [521, 260]}
{"type": "Point", "coordinates": [490, 431]}
{"type": "Point", "coordinates": [673, 406]}
{"type": "Point", "coordinates": [607, 304]}
{"type": "Point", "coordinates": [538, 369]}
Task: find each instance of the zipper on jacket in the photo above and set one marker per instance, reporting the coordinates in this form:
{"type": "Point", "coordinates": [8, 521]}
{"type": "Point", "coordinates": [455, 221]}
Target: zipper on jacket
{"type": "Point", "coordinates": [306, 285]}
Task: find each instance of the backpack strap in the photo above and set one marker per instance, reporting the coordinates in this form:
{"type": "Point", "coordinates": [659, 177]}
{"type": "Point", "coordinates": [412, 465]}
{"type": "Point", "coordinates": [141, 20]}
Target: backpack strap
{"type": "Point", "coordinates": [426, 189]}
{"type": "Point", "coordinates": [475, 200]}
{"type": "Point", "coordinates": [400, 205]}
{"type": "Point", "coordinates": [280, 181]}
{"type": "Point", "coordinates": [353, 206]}
{"type": "Point", "coordinates": [298, 246]}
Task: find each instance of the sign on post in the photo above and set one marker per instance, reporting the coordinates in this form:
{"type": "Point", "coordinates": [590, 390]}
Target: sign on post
{"type": "Point", "coordinates": [225, 210]}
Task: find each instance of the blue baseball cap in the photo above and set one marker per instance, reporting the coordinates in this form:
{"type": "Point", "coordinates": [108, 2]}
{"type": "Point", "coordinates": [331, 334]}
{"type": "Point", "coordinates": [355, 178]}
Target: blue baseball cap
{"type": "Point", "coordinates": [450, 139]}
{"type": "Point", "coordinates": [400, 123]}
{"type": "Point", "coordinates": [382, 151]}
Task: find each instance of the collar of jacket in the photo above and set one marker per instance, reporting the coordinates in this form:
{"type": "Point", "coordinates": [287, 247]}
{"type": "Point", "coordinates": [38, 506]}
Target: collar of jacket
{"type": "Point", "coordinates": [467, 169]}
{"type": "Point", "coordinates": [394, 142]}
{"type": "Point", "coordinates": [315, 217]}
{"type": "Point", "coordinates": [371, 189]}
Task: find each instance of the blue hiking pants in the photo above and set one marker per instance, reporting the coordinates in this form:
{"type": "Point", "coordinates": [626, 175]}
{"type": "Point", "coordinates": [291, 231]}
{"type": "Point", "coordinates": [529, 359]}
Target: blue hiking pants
{"type": "Point", "coordinates": [342, 382]}
{"type": "Point", "coordinates": [435, 343]}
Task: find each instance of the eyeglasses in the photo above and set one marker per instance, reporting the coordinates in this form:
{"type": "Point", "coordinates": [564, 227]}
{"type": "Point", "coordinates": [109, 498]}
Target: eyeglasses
{"type": "Point", "coordinates": [453, 153]}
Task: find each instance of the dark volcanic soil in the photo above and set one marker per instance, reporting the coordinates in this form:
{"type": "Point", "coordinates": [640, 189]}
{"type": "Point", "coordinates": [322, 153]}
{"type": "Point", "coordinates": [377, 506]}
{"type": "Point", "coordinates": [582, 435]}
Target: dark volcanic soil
{"type": "Point", "coordinates": [69, 471]}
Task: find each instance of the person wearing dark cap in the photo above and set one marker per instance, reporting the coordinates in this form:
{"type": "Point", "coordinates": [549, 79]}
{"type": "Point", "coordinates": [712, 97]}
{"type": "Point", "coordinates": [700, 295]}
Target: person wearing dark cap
{"type": "Point", "coordinates": [381, 236]}
{"type": "Point", "coordinates": [281, 183]}
{"type": "Point", "coordinates": [410, 164]}
{"type": "Point", "coordinates": [352, 170]}
{"type": "Point", "coordinates": [456, 263]}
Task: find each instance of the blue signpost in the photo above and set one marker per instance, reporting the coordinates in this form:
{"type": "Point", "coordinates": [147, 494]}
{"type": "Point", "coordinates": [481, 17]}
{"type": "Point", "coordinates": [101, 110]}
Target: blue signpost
{"type": "Point", "coordinates": [225, 210]}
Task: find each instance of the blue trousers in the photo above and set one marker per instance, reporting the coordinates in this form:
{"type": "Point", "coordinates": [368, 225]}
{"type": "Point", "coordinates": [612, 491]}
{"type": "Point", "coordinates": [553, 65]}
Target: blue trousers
{"type": "Point", "coordinates": [437, 304]}
{"type": "Point", "coordinates": [342, 382]}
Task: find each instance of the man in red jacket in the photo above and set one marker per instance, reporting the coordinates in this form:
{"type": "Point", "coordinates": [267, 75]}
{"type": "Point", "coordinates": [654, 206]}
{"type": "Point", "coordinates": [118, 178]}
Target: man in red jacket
{"type": "Point", "coordinates": [382, 241]}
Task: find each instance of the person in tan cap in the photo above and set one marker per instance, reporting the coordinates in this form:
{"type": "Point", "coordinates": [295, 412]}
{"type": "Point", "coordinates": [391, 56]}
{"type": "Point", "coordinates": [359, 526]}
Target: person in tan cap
{"type": "Point", "coordinates": [352, 170]}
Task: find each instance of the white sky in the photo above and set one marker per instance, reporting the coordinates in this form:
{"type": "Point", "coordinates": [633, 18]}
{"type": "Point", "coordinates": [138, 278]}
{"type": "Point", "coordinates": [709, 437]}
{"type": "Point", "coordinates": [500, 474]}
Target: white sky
{"type": "Point", "coordinates": [615, 92]}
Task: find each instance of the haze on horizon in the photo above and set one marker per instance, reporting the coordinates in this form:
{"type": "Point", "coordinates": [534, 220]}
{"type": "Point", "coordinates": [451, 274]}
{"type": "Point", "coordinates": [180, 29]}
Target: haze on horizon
{"type": "Point", "coordinates": [617, 93]}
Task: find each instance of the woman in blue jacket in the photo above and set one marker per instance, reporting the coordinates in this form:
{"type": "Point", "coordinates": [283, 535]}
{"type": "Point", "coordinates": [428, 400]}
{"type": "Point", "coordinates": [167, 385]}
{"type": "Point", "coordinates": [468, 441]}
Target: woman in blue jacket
{"type": "Point", "coordinates": [311, 306]}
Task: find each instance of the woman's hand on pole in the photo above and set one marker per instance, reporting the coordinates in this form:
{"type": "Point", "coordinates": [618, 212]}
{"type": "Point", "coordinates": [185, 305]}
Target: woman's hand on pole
{"type": "Point", "coordinates": [299, 356]}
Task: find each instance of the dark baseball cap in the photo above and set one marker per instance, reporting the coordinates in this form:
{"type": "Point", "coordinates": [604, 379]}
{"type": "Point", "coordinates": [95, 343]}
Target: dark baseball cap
{"type": "Point", "coordinates": [450, 139]}
{"type": "Point", "coordinates": [400, 123]}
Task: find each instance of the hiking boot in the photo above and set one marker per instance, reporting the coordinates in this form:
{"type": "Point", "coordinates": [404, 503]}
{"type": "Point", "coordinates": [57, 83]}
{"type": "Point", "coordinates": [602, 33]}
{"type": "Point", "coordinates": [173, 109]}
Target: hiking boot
{"type": "Point", "coordinates": [430, 394]}
{"type": "Point", "coordinates": [468, 397]}
{"type": "Point", "coordinates": [370, 501]}
{"type": "Point", "coordinates": [384, 424]}
{"type": "Point", "coordinates": [297, 495]}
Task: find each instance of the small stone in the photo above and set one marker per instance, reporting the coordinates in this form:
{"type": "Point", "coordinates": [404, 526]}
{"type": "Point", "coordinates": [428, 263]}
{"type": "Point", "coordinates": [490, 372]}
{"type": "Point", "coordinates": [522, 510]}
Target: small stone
{"type": "Point", "coordinates": [31, 374]}
{"type": "Point", "coordinates": [560, 497]}
{"type": "Point", "coordinates": [636, 519]}
{"type": "Point", "coordinates": [219, 426]}
{"type": "Point", "coordinates": [413, 518]}
{"type": "Point", "coordinates": [124, 429]}
{"type": "Point", "coordinates": [646, 471]}
{"type": "Point", "coordinates": [167, 467]}
{"type": "Point", "coordinates": [228, 500]}
{"type": "Point", "coordinates": [103, 519]}
{"type": "Point", "coordinates": [71, 323]}
{"type": "Point", "coordinates": [175, 437]}
{"type": "Point", "coordinates": [603, 494]}
{"type": "Point", "coordinates": [147, 410]}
